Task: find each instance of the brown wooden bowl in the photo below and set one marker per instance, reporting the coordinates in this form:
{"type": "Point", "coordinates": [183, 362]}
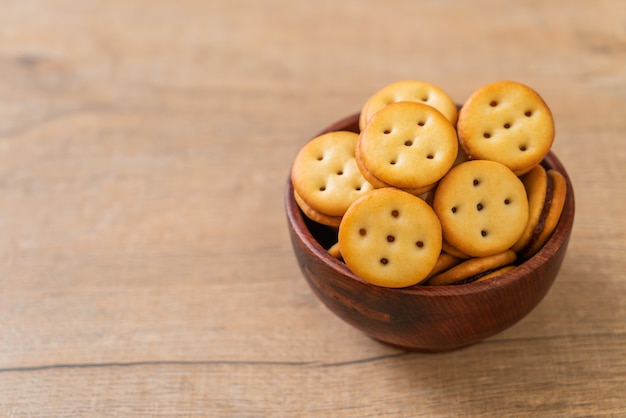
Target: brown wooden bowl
{"type": "Point", "coordinates": [426, 318]}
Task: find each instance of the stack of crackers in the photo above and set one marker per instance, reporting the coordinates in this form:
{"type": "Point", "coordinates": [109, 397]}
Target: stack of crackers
{"type": "Point", "coordinates": [430, 194]}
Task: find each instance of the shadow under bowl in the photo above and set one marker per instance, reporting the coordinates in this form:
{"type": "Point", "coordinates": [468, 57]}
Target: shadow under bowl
{"type": "Point", "coordinates": [426, 318]}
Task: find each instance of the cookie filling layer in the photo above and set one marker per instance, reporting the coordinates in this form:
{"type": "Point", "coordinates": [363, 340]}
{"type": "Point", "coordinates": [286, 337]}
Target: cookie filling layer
{"type": "Point", "coordinates": [477, 276]}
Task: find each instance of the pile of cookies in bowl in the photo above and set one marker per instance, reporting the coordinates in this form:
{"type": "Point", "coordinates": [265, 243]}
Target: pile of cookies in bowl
{"type": "Point", "coordinates": [429, 225]}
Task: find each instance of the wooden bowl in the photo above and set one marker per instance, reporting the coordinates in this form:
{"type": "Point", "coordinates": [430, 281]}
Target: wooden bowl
{"type": "Point", "coordinates": [426, 318]}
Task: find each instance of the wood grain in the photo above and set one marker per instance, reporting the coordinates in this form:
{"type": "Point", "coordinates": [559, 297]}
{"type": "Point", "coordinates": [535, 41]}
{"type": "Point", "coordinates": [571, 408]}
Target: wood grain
{"type": "Point", "coordinates": [145, 263]}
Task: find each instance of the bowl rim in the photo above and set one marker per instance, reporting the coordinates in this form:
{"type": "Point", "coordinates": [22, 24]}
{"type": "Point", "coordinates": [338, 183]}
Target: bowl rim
{"type": "Point", "coordinates": [558, 238]}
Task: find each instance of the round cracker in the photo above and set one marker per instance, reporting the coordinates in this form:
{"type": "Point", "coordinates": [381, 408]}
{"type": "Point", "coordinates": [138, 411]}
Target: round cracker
{"type": "Point", "coordinates": [449, 249]}
{"type": "Point", "coordinates": [379, 184]}
{"type": "Point", "coordinates": [496, 273]}
{"type": "Point", "coordinates": [409, 91]}
{"type": "Point", "coordinates": [390, 238]}
{"type": "Point", "coordinates": [472, 267]}
{"type": "Point", "coordinates": [536, 185]}
{"type": "Point", "coordinates": [482, 206]}
{"type": "Point", "coordinates": [557, 201]}
{"type": "Point", "coordinates": [408, 146]}
{"type": "Point", "coordinates": [325, 176]}
{"type": "Point", "coordinates": [314, 215]}
{"type": "Point", "coordinates": [444, 262]}
{"type": "Point", "coordinates": [508, 122]}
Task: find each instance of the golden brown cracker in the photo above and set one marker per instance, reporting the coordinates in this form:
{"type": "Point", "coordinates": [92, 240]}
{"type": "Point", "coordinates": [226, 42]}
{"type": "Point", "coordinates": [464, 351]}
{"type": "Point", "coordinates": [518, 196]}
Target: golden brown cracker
{"type": "Point", "coordinates": [325, 175]}
{"type": "Point", "coordinates": [508, 122]}
{"type": "Point", "coordinates": [536, 185]}
{"type": "Point", "coordinates": [314, 215]}
{"type": "Point", "coordinates": [410, 91]}
{"type": "Point", "coordinates": [407, 145]}
{"type": "Point", "coordinates": [496, 273]}
{"type": "Point", "coordinates": [472, 267]}
{"type": "Point", "coordinates": [557, 195]}
{"type": "Point", "coordinates": [482, 206]}
{"type": "Point", "coordinates": [390, 238]}
{"type": "Point", "coordinates": [335, 251]}
{"type": "Point", "coordinates": [444, 262]}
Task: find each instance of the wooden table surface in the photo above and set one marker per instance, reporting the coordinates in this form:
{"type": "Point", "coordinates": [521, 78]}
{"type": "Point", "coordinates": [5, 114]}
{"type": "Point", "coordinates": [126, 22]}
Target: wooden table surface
{"type": "Point", "coordinates": [145, 264]}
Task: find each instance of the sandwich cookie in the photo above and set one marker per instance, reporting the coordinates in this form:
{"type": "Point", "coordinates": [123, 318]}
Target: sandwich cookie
{"type": "Point", "coordinates": [406, 145]}
{"type": "Point", "coordinates": [482, 206]}
{"type": "Point", "coordinates": [546, 192]}
{"type": "Point", "coordinates": [508, 122]}
{"type": "Point", "coordinates": [390, 238]}
{"type": "Point", "coordinates": [476, 269]}
{"type": "Point", "coordinates": [325, 177]}
{"type": "Point", "coordinates": [409, 91]}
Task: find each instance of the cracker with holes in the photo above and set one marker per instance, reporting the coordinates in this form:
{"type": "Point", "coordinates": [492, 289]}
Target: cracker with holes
{"type": "Point", "coordinates": [325, 177]}
{"type": "Point", "coordinates": [409, 91]}
{"type": "Point", "coordinates": [390, 238]}
{"type": "Point", "coordinates": [508, 122]}
{"type": "Point", "coordinates": [406, 145]}
{"type": "Point", "coordinates": [482, 206]}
